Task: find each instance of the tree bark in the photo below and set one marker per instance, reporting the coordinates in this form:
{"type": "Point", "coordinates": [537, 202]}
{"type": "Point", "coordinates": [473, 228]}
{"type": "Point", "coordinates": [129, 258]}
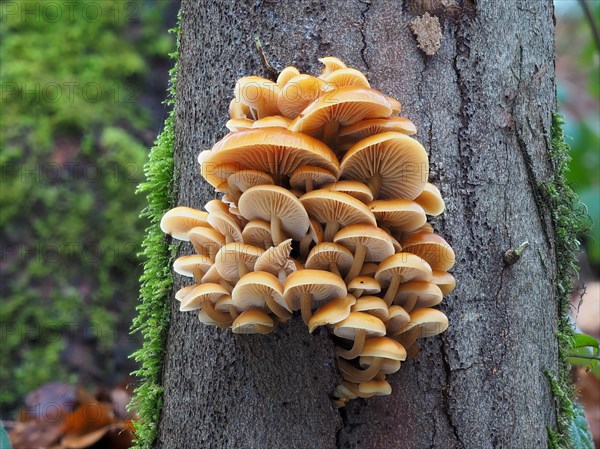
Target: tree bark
{"type": "Point", "coordinates": [482, 104]}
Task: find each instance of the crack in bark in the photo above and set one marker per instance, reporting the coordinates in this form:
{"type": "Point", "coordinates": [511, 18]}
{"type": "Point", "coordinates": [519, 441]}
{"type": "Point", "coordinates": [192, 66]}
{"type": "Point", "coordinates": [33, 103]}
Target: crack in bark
{"type": "Point", "coordinates": [446, 396]}
{"type": "Point", "coordinates": [361, 29]}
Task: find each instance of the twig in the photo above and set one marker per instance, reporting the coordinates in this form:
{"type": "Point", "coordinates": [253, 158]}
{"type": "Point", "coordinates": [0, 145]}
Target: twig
{"type": "Point", "coordinates": [272, 72]}
{"type": "Point", "coordinates": [587, 357]}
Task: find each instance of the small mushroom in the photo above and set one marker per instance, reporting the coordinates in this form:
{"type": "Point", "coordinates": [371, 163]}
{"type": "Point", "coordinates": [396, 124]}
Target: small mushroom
{"type": "Point", "coordinates": [331, 65]}
{"type": "Point", "coordinates": [260, 290]}
{"type": "Point", "coordinates": [424, 323]}
{"type": "Point", "coordinates": [397, 320]}
{"type": "Point", "coordinates": [286, 74]}
{"type": "Point", "coordinates": [234, 260]}
{"type": "Point", "coordinates": [274, 121]}
{"type": "Point", "coordinates": [238, 110]}
{"type": "Point", "coordinates": [212, 276]}
{"type": "Point", "coordinates": [346, 77]}
{"type": "Point", "coordinates": [183, 292]}
{"type": "Point", "coordinates": [238, 124]}
{"type": "Point", "coordinates": [336, 209]}
{"type": "Point", "coordinates": [375, 387]}
{"type": "Point", "coordinates": [418, 294]}
{"type": "Point", "coordinates": [278, 206]}
{"type": "Point", "coordinates": [306, 290]}
{"type": "Point", "coordinates": [333, 312]}
{"type": "Point", "coordinates": [206, 241]}
{"type": "Point", "coordinates": [353, 188]}
{"type": "Point", "coordinates": [258, 233]}
{"type": "Point", "coordinates": [351, 134]}
{"type": "Point", "coordinates": [276, 261]}
{"type": "Point", "coordinates": [402, 215]}
{"type": "Point", "coordinates": [364, 285]}
{"type": "Point", "coordinates": [178, 221]}
{"type": "Point", "coordinates": [392, 164]}
{"type": "Point", "coordinates": [341, 106]}
{"type": "Point", "coordinates": [444, 280]}
{"type": "Point", "coordinates": [192, 266]}
{"type": "Point", "coordinates": [253, 322]}
{"type": "Point", "coordinates": [373, 306]}
{"type": "Point", "coordinates": [204, 297]}
{"type": "Point", "coordinates": [227, 225]}
{"type": "Point", "coordinates": [379, 348]}
{"type": "Point", "coordinates": [259, 94]}
{"type": "Point", "coordinates": [431, 200]}
{"type": "Point", "coordinates": [242, 180]}
{"type": "Point", "coordinates": [330, 257]}
{"type": "Point", "coordinates": [357, 327]}
{"type": "Point", "coordinates": [432, 248]}
{"type": "Point", "coordinates": [225, 305]}
{"type": "Point", "coordinates": [298, 93]}
{"type": "Point", "coordinates": [401, 267]}
{"type": "Point", "coordinates": [276, 151]}
{"type": "Point", "coordinates": [368, 243]}
{"type": "Point", "coordinates": [307, 178]}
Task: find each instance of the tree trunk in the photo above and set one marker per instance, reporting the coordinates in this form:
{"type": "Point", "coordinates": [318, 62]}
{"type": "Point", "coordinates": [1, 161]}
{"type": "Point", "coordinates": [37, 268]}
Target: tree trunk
{"type": "Point", "coordinates": [482, 104]}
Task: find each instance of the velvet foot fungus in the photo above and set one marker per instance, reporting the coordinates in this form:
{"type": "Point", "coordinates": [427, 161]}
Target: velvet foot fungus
{"type": "Point", "coordinates": [323, 214]}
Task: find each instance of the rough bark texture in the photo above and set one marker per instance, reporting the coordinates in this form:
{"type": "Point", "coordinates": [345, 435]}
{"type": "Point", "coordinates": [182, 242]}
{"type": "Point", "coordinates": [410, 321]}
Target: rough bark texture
{"type": "Point", "coordinates": [482, 104]}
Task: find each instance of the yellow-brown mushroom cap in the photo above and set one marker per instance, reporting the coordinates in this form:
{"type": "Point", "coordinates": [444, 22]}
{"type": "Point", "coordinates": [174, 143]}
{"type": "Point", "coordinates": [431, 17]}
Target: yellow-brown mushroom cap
{"type": "Point", "coordinates": [250, 291]}
{"type": "Point", "coordinates": [367, 284]}
{"type": "Point", "coordinates": [187, 265]}
{"type": "Point", "coordinates": [206, 241]}
{"type": "Point", "coordinates": [353, 188]}
{"type": "Point", "coordinates": [273, 121]}
{"type": "Point", "coordinates": [298, 93]}
{"type": "Point", "coordinates": [431, 200]}
{"type": "Point", "coordinates": [427, 293]}
{"type": "Point", "coordinates": [383, 347]}
{"type": "Point", "coordinates": [258, 233]}
{"type": "Point", "coordinates": [236, 259]}
{"type": "Point", "coordinates": [344, 105]}
{"type": "Point", "coordinates": [432, 248]}
{"type": "Point", "coordinates": [331, 64]}
{"type": "Point", "coordinates": [444, 280]}
{"type": "Point", "coordinates": [276, 259]}
{"type": "Point", "coordinates": [404, 215]}
{"type": "Point", "coordinates": [427, 322]}
{"type": "Point", "coordinates": [373, 306]}
{"type": "Point", "coordinates": [273, 202]}
{"type": "Point", "coordinates": [375, 387]}
{"type": "Point", "coordinates": [201, 293]}
{"type": "Point", "coordinates": [178, 221]}
{"type": "Point", "coordinates": [407, 266]}
{"type": "Point", "coordinates": [392, 164]}
{"type": "Point", "coordinates": [242, 180]}
{"type": "Point", "coordinates": [326, 253]}
{"type": "Point", "coordinates": [359, 321]}
{"type": "Point", "coordinates": [314, 177]}
{"type": "Point", "coordinates": [286, 74]}
{"type": "Point", "coordinates": [226, 224]}
{"type": "Point", "coordinates": [346, 77]}
{"type": "Point", "coordinates": [239, 124]}
{"type": "Point", "coordinates": [253, 322]}
{"type": "Point", "coordinates": [397, 321]}
{"type": "Point", "coordinates": [370, 127]}
{"type": "Point", "coordinates": [259, 94]}
{"type": "Point", "coordinates": [332, 312]}
{"type": "Point", "coordinates": [322, 286]}
{"type": "Point", "coordinates": [377, 242]}
{"type": "Point", "coordinates": [276, 151]}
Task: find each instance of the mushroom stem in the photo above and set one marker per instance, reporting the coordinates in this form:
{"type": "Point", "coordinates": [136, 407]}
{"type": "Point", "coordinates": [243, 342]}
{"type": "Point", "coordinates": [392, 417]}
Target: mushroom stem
{"type": "Point", "coordinates": [222, 319]}
{"type": "Point", "coordinates": [278, 310]}
{"type": "Point", "coordinates": [392, 290]}
{"type": "Point", "coordinates": [305, 245]}
{"type": "Point", "coordinates": [242, 268]}
{"type": "Point", "coordinates": [276, 231]}
{"type": "Point", "coordinates": [330, 132]}
{"type": "Point", "coordinates": [305, 302]}
{"type": "Point", "coordinates": [410, 302]}
{"type": "Point", "coordinates": [334, 269]}
{"type": "Point", "coordinates": [375, 185]}
{"type": "Point", "coordinates": [310, 184]}
{"type": "Point", "coordinates": [233, 312]}
{"type": "Point", "coordinates": [356, 375]}
{"type": "Point", "coordinates": [359, 258]}
{"type": "Point", "coordinates": [198, 274]}
{"type": "Point", "coordinates": [357, 347]}
{"type": "Point", "coordinates": [330, 230]}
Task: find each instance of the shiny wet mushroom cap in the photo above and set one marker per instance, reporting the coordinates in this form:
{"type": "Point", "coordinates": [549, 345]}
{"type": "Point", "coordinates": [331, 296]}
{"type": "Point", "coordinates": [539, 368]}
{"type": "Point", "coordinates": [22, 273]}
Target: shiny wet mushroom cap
{"type": "Point", "coordinates": [178, 221]}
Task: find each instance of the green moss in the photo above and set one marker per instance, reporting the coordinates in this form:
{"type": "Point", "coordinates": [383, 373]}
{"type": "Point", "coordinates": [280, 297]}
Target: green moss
{"type": "Point", "coordinates": [153, 310]}
{"type": "Point", "coordinates": [566, 216]}
{"type": "Point", "coordinates": [73, 147]}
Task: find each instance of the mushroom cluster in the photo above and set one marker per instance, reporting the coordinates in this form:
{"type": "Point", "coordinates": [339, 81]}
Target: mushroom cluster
{"type": "Point", "coordinates": [323, 211]}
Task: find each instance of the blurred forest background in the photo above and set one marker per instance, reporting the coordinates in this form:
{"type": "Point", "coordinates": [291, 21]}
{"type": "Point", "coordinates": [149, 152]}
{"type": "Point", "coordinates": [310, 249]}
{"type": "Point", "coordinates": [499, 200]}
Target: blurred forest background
{"type": "Point", "coordinates": [82, 86]}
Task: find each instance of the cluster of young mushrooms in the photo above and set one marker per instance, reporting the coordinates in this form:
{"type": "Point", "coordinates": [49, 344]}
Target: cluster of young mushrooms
{"type": "Point", "coordinates": [323, 211]}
